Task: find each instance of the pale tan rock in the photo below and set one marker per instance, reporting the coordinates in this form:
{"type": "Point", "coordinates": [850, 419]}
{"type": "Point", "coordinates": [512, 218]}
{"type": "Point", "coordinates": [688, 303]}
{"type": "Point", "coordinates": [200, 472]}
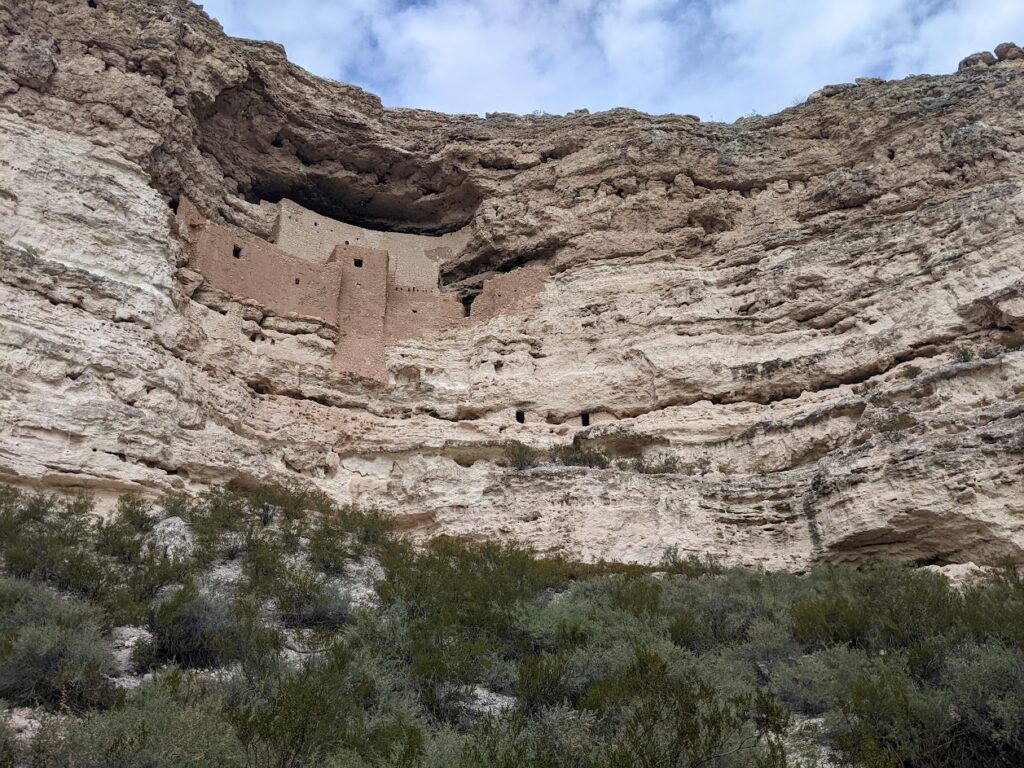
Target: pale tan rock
{"type": "Point", "coordinates": [811, 314]}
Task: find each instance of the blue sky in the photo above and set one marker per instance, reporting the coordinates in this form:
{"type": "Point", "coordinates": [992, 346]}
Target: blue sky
{"type": "Point", "coordinates": [719, 59]}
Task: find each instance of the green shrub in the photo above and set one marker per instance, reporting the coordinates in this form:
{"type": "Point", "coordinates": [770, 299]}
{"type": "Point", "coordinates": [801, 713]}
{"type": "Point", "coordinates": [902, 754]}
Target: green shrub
{"type": "Point", "coordinates": [154, 729]}
{"type": "Point", "coordinates": [577, 455]}
{"type": "Point", "coordinates": [896, 423]}
{"type": "Point", "coordinates": [520, 456]}
{"type": "Point", "coordinates": [910, 372]}
{"type": "Point", "coordinates": [52, 649]}
{"type": "Point", "coordinates": [540, 683]}
{"type": "Point", "coordinates": [11, 753]}
{"type": "Point", "coordinates": [963, 354]}
{"type": "Point", "coordinates": [192, 629]}
{"type": "Point", "coordinates": [668, 719]}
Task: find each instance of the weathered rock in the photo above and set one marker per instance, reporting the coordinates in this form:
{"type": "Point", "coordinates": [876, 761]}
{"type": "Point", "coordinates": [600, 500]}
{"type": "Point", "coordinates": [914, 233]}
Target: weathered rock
{"type": "Point", "coordinates": [975, 60]}
{"type": "Point", "coordinates": [124, 641]}
{"type": "Point", "coordinates": [813, 315]}
{"type": "Point", "coordinates": [172, 537]}
{"type": "Point", "coordinates": [1009, 52]}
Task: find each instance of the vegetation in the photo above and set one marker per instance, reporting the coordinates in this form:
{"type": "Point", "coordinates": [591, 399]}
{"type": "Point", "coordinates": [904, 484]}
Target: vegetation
{"type": "Point", "coordinates": [910, 372]}
{"type": "Point", "coordinates": [260, 658]}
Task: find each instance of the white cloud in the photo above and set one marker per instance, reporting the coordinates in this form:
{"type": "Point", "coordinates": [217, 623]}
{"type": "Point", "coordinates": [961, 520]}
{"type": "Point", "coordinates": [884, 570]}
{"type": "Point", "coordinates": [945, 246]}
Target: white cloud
{"type": "Point", "coordinates": [716, 58]}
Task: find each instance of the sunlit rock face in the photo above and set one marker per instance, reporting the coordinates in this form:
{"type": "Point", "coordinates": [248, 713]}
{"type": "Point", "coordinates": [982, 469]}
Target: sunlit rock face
{"type": "Point", "coordinates": [811, 321]}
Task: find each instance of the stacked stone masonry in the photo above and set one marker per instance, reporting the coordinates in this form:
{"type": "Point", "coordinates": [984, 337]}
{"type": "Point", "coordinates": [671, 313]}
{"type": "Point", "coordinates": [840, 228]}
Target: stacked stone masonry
{"type": "Point", "coordinates": [379, 288]}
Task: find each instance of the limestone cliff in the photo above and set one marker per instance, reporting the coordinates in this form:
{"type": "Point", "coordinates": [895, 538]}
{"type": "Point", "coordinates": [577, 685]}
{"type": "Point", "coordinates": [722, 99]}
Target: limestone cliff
{"type": "Point", "coordinates": [812, 319]}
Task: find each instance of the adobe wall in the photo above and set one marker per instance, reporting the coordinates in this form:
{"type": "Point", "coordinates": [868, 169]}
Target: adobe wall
{"type": "Point", "coordinates": [246, 266]}
{"type": "Point", "coordinates": [362, 304]}
{"type": "Point", "coordinates": [413, 258]}
{"type": "Point", "coordinates": [413, 313]}
{"type": "Point", "coordinates": [375, 296]}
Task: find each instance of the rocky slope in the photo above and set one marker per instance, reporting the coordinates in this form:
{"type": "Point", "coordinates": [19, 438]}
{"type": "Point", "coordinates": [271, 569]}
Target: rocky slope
{"type": "Point", "coordinates": [814, 316]}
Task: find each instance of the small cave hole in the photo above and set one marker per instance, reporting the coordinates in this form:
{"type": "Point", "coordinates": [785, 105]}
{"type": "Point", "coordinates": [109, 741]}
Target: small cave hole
{"type": "Point", "coordinates": [358, 263]}
{"type": "Point", "coordinates": [890, 153]}
{"type": "Point", "coordinates": [585, 419]}
{"type": "Point", "coordinates": [521, 416]}
{"type": "Point", "coordinates": [296, 281]}
{"type": "Point", "coordinates": [174, 204]}
{"type": "Point", "coordinates": [92, 3]}
{"type": "Point", "coordinates": [277, 142]}
{"type": "Point", "coordinates": [415, 311]}
{"type": "Point", "coordinates": [236, 251]}
{"type": "Point", "coordinates": [316, 223]}
{"type": "Point", "coordinates": [467, 304]}
{"type": "Point", "coordinates": [346, 242]}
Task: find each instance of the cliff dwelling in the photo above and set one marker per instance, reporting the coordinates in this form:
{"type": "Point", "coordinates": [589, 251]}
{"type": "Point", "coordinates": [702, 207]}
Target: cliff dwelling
{"type": "Point", "coordinates": [377, 288]}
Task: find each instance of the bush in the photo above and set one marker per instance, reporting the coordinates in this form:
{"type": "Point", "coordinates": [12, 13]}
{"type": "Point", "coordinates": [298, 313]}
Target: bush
{"type": "Point", "coordinates": [52, 650]}
{"type": "Point", "coordinates": [910, 372]}
{"type": "Point", "coordinates": [153, 730]}
{"type": "Point", "coordinates": [196, 630]}
{"type": "Point", "coordinates": [963, 354]}
{"type": "Point", "coordinates": [520, 456]}
{"type": "Point", "coordinates": [576, 455]}
{"type": "Point", "coordinates": [665, 464]}
{"type": "Point", "coordinates": [541, 683]}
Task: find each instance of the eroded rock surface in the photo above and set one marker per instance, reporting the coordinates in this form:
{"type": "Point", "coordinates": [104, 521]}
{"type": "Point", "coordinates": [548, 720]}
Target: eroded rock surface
{"type": "Point", "coordinates": [814, 315]}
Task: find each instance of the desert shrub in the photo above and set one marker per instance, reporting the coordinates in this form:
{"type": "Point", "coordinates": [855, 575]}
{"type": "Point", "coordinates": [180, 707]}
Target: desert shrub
{"type": "Point", "coordinates": [52, 539]}
{"type": "Point", "coordinates": [329, 548]}
{"type": "Point", "coordinates": [896, 423]}
{"type": "Point", "coordinates": [992, 609]}
{"type": "Point", "coordinates": [815, 683]}
{"type": "Point", "coordinates": [64, 543]}
{"type": "Point", "coordinates": [910, 372]}
{"type": "Point", "coordinates": [52, 649]}
{"type": "Point", "coordinates": [154, 729]}
{"type": "Point", "coordinates": [559, 737]}
{"type": "Point", "coordinates": [540, 682]}
{"type": "Point", "coordinates": [639, 595]}
{"type": "Point", "coordinates": [461, 602]}
{"type": "Point", "coordinates": [305, 600]}
{"type": "Point", "coordinates": [578, 455]}
{"type": "Point", "coordinates": [295, 716]}
{"type": "Point", "coordinates": [11, 753]}
{"type": "Point", "coordinates": [663, 464]}
{"type": "Point", "coordinates": [520, 456]}
{"type": "Point", "coordinates": [662, 718]}
{"type": "Point", "coordinates": [193, 629]}
{"type": "Point", "coordinates": [963, 354]}
{"type": "Point", "coordinates": [983, 688]}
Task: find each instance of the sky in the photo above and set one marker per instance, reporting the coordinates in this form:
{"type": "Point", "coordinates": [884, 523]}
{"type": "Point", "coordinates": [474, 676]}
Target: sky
{"type": "Point", "coordinates": [718, 59]}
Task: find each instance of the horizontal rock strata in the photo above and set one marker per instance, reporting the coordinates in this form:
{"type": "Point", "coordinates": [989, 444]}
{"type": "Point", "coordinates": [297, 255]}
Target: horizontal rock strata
{"type": "Point", "coordinates": [813, 319]}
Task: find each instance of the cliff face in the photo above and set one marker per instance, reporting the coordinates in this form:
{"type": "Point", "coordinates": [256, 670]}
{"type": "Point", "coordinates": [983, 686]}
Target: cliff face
{"type": "Point", "coordinates": [813, 320]}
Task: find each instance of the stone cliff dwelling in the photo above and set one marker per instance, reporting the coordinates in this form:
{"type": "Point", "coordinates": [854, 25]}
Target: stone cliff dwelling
{"type": "Point", "coordinates": [377, 288]}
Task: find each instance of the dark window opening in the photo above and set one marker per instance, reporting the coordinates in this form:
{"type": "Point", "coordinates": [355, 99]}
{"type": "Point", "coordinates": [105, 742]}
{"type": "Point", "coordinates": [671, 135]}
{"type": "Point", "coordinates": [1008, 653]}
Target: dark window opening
{"type": "Point", "coordinates": [316, 223]}
{"type": "Point", "coordinates": [521, 417]}
{"type": "Point", "coordinates": [585, 419]}
{"type": "Point", "coordinates": [296, 281]}
{"type": "Point", "coordinates": [891, 153]}
{"type": "Point", "coordinates": [277, 142]}
{"type": "Point", "coordinates": [358, 263]}
{"type": "Point", "coordinates": [467, 304]}
{"type": "Point", "coordinates": [236, 251]}
{"type": "Point", "coordinates": [92, 3]}
{"type": "Point", "coordinates": [174, 204]}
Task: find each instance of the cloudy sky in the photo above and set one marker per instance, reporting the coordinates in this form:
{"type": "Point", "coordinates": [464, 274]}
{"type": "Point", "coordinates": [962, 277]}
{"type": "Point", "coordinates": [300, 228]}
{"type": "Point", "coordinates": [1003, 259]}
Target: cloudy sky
{"type": "Point", "coordinates": [719, 59]}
